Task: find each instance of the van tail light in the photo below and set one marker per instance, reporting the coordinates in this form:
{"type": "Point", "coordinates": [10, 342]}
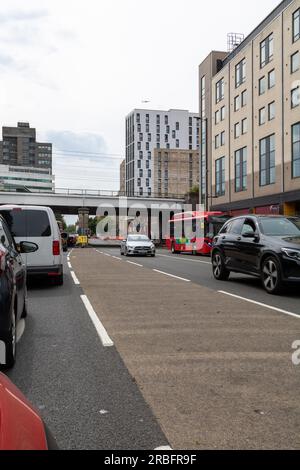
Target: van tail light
{"type": "Point", "coordinates": [56, 248]}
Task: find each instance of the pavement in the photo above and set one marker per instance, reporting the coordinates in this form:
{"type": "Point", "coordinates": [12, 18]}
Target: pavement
{"type": "Point", "coordinates": [215, 370]}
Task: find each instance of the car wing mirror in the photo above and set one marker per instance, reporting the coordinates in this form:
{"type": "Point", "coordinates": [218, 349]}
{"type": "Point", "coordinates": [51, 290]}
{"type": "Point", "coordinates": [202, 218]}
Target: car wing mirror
{"type": "Point", "coordinates": [27, 247]}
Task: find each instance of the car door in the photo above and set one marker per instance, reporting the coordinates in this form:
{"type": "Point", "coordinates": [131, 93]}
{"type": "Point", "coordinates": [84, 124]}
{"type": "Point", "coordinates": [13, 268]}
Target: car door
{"type": "Point", "coordinates": [16, 263]}
{"type": "Point", "coordinates": [230, 243]}
{"type": "Point", "coordinates": [249, 247]}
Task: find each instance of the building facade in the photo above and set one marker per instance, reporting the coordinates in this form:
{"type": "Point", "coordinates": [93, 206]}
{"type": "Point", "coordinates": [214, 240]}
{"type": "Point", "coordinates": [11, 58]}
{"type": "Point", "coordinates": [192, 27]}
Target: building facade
{"type": "Point", "coordinates": [20, 148]}
{"type": "Point", "coordinates": [147, 130]}
{"type": "Point", "coordinates": [253, 146]}
{"type": "Point", "coordinates": [19, 178]}
{"type": "Point", "coordinates": [122, 177]}
{"type": "Point", "coordinates": [175, 172]}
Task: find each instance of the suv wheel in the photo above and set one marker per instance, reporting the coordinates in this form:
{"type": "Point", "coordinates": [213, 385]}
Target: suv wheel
{"type": "Point", "coordinates": [271, 275]}
{"type": "Point", "coordinates": [219, 270]}
{"type": "Point", "coordinates": [11, 344]}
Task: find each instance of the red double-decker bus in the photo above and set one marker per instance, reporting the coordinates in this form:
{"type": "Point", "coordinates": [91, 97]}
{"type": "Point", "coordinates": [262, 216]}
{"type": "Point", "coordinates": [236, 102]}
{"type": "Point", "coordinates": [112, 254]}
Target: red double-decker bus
{"type": "Point", "coordinates": [193, 232]}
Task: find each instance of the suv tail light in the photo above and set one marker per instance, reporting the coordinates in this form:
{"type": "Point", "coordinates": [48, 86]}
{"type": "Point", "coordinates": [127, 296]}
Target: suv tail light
{"type": "Point", "coordinates": [56, 248]}
{"type": "Point", "coordinates": [2, 261]}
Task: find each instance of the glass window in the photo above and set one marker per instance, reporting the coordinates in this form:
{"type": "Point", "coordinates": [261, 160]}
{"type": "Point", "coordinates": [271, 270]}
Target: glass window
{"type": "Point", "coordinates": [267, 160]}
{"type": "Point", "coordinates": [296, 25]}
{"type": "Point", "coordinates": [220, 177]}
{"type": "Point", "coordinates": [240, 73]}
{"type": "Point", "coordinates": [271, 111]}
{"type": "Point", "coordinates": [177, 144]}
{"type": "Point", "coordinates": [244, 126]}
{"type": "Point", "coordinates": [295, 97]}
{"type": "Point", "coordinates": [296, 150]}
{"type": "Point", "coordinates": [237, 130]}
{"type": "Point", "coordinates": [266, 50]}
{"type": "Point", "coordinates": [280, 226]}
{"type": "Point", "coordinates": [177, 126]}
{"type": "Point", "coordinates": [271, 79]}
{"type": "Point", "coordinates": [217, 141]}
{"type": "Point", "coordinates": [29, 223]}
{"type": "Point", "coordinates": [262, 85]}
{"type": "Point", "coordinates": [217, 117]}
{"type": "Point", "coordinates": [262, 116]}
{"type": "Point", "coordinates": [244, 98]}
{"type": "Point", "coordinates": [220, 90]}
{"type": "Point", "coordinates": [237, 103]}
{"type": "Point", "coordinates": [222, 138]}
{"type": "Point", "coordinates": [236, 226]}
{"type": "Point", "coordinates": [223, 113]}
{"type": "Point", "coordinates": [241, 170]}
{"type": "Point", "coordinates": [295, 62]}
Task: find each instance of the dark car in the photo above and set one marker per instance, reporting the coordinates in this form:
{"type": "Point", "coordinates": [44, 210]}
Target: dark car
{"type": "Point", "coordinates": [12, 292]}
{"type": "Point", "coordinates": [263, 246]}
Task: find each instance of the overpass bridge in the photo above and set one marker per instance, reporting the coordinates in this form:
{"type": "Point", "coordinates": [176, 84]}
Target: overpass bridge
{"type": "Point", "coordinates": [110, 203]}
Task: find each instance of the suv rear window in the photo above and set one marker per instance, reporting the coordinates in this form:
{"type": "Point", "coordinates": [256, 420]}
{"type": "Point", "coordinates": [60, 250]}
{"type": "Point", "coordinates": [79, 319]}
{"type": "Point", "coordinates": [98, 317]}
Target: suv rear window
{"type": "Point", "coordinates": [27, 223]}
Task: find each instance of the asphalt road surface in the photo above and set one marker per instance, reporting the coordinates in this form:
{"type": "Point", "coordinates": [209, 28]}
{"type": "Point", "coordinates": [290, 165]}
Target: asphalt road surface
{"type": "Point", "coordinates": [157, 356]}
{"type": "Point", "coordinates": [83, 390]}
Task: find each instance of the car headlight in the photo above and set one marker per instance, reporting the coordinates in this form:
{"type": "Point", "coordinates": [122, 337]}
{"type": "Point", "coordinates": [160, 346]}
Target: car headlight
{"type": "Point", "coordinates": [152, 246]}
{"type": "Point", "coordinates": [291, 253]}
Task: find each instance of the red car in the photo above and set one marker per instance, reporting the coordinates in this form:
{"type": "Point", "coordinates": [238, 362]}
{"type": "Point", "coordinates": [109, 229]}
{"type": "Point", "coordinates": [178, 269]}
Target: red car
{"type": "Point", "coordinates": [21, 427]}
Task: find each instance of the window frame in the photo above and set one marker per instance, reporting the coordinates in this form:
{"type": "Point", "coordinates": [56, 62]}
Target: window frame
{"type": "Point", "coordinates": [220, 182]}
{"type": "Point", "coordinates": [240, 159]}
{"type": "Point", "coordinates": [294, 142]}
{"type": "Point", "coordinates": [268, 166]}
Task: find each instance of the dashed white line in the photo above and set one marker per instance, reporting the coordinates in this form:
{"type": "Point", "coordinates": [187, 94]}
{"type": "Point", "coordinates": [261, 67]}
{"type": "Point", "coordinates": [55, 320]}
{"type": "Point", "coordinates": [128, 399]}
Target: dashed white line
{"type": "Point", "coordinates": [101, 252]}
{"type": "Point", "coordinates": [164, 448]}
{"type": "Point", "coordinates": [75, 279]}
{"type": "Point", "coordinates": [69, 265]}
{"type": "Point", "coordinates": [171, 275]}
{"type": "Point", "coordinates": [102, 333]}
{"type": "Point", "coordinates": [175, 258]}
{"type": "Point", "coordinates": [270, 307]}
{"type": "Point", "coordinates": [116, 257]}
{"type": "Point", "coordinates": [135, 264]}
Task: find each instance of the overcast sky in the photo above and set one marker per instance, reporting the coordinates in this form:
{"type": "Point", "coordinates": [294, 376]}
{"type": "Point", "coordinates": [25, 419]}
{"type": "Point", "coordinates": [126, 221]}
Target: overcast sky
{"type": "Point", "coordinates": [74, 69]}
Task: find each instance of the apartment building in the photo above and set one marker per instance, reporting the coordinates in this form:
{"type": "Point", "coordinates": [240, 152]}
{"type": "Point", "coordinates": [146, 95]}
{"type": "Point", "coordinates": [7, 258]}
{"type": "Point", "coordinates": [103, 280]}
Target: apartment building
{"type": "Point", "coordinates": [26, 179]}
{"type": "Point", "coordinates": [150, 130]}
{"type": "Point", "coordinates": [252, 148]}
{"type": "Point", "coordinates": [176, 172]}
{"type": "Point", "coordinates": [20, 148]}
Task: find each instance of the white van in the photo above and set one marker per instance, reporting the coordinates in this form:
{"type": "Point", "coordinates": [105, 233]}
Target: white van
{"type": "Point", "coordinates": [38, 225]}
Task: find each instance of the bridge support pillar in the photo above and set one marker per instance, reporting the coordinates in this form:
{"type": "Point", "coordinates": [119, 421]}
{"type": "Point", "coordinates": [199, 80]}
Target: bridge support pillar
{"type": "Point", "coordinates": [83, 217]}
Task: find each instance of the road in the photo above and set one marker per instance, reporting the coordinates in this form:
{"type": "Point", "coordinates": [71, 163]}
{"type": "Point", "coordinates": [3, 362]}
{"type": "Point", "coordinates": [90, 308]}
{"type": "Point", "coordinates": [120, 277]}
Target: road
{"type": "Point", "coordinates": [190, 367]}
{"type": "Point", "coordinates": [84, 392]}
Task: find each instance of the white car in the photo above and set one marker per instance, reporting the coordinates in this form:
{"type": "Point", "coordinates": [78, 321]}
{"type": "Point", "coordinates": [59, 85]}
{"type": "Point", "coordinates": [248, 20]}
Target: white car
{"type": "Point", "coordinates": [137, 245]}
{"type": "Point", "coordinates": [38, 225]}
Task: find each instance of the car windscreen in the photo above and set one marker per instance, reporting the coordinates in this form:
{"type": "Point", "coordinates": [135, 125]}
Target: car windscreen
{"type": "Point", "coordinates": [280, 227]}
{"type": "Point", "coordinates": [27, 223]}
{"type": "Point", "coordinates": [138, 238]}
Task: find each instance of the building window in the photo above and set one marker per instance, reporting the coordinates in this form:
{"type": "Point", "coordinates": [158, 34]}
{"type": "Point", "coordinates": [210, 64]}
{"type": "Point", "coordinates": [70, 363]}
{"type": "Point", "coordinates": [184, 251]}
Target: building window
{"type": "Point", "coordinates": [139, 145]}
{"type": "Point", "coordinates": [147, 182]}
{"type": "Point", "coordinates": [141, 191]}
{"type": "Point", "coordinates": [138, 118]}
{"type": "Point", "coordinates": [141, 173]}
{"type": "Point", "coordinates": [139, 164]}
{"type": "Point", "coordinates": [149, 173]}
{"type": "Point", "coordinates": [223, 113]}
{"type": "Point", "coordinates": [296, 150]}
{"type": "Point", "coordinates": [173, 134]}
{"type": "Point", "coordinates": [244, 98]}
{"type": "Point", "coordinates": [149, 155]}
{"type": "Point", "coordinates": [177, 144]}
{"type": "Point", "coordinates": [139, 128]}
{"type": "Point", "coordinates": [147, 118]}
{"type": "Point", "coordinates": [166, 120]}
{"type": "Point", "coordinates": [295, 62]}
{"type": "Point", "coordinates": [295, 97]}
{"type": "Point", "coordinates": [141, 138]}
{"type": "Point", "coordinates": [141, 154]}
{"type": "Point", "coordinates": [271, 111]}
{"type": "Point", "coordinates": [157, 137]}
{"type": "Point", "coordinates": [266, 50]}
{"type": "Point", "coordinates": [267, 161]}
{"type": "Point", "coordinates": [149, 191]}
{"type": "Point", "coordinates": [271, 79]}
{"type": "Point", "coordinates": [217, 141]}
{"type": "Point", "coordinates": [220, 90]}
{"type": "Point", "coordinates": [177, 126]}
{"type": "Point", "coordinates": [241, 170]}
{"type": "Point", "coordinates": [296, 25]}
{"type": "Point", "coordinates": [158, 128]}
{"type": "Point", "coordinates": [262, 85]}
{"type": "Point", "coordinates": [240, 73]}
{"type": "Point", "coordinates": [244, 126]}
{"type": "Point", "coordinates": [157, 119]}
{"type": "Point", "coordinates": [220, 177]}
{"type": "Point", "coordinates": [147, 128]}
{"type": "Point", "coordinates": [147, 146]}
{"type": "Point", "coordinates": [166, 138]}
{"type": "Point", "coordinates": [237, 130]}
{"type": "Point", "coordinates": [222, 139]}
{"type": "Point", "coordinates": [262, 116]}
{"type": "Point", "coordinates": [149, 137]}
{"type": "Point", "coordinates": [217, 117]}
{"type": "Point", "coordinates": [237, 103]}
{"type": "Point", "coordinates": [168, 129]}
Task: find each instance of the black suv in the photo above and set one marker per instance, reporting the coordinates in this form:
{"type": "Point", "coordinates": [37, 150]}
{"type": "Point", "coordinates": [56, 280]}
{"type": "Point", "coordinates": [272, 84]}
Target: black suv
{"type": "Point", "coordinates": [12, 292]}
{"type": "Point", "coordinates": [263, 246]}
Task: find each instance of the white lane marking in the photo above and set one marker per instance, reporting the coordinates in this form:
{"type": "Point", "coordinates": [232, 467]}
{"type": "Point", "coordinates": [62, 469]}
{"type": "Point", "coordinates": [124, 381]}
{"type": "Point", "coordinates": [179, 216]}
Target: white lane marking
{"type": "Point", "coordinates": [102, 333]}
{"type": "Point", "coordinates": [101, 252]}
{"type": "Point", "coordinates": [163, 448]}
{"type": "Point", "coordinates": [135, 264]}
{"type": "Point", "coordinates": [116, 257]}
{"type": "Point", "coordinates": [175, 258]}
{"type": "Point", "coordinates": [69, 264]}
{"type": "Point", "coordinates": [285, 312]}
{"type": "Point", "coordinates": [171, 275]}
{"type": "Point", "coordinates": [106, 254]}
{"type": "Point", "coordinates": [75, 279]}
{"type": "Point", "coordinates": [20, 329]}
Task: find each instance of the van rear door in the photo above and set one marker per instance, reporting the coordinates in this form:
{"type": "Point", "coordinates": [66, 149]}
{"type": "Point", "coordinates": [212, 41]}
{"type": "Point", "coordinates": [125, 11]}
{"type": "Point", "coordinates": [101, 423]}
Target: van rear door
{"type": "Point", "coordinates": [39, 231]}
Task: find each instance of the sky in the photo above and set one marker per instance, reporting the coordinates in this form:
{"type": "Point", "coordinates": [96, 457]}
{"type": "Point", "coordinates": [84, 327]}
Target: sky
{"type": "Point", "coordinates": [75, 69]}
